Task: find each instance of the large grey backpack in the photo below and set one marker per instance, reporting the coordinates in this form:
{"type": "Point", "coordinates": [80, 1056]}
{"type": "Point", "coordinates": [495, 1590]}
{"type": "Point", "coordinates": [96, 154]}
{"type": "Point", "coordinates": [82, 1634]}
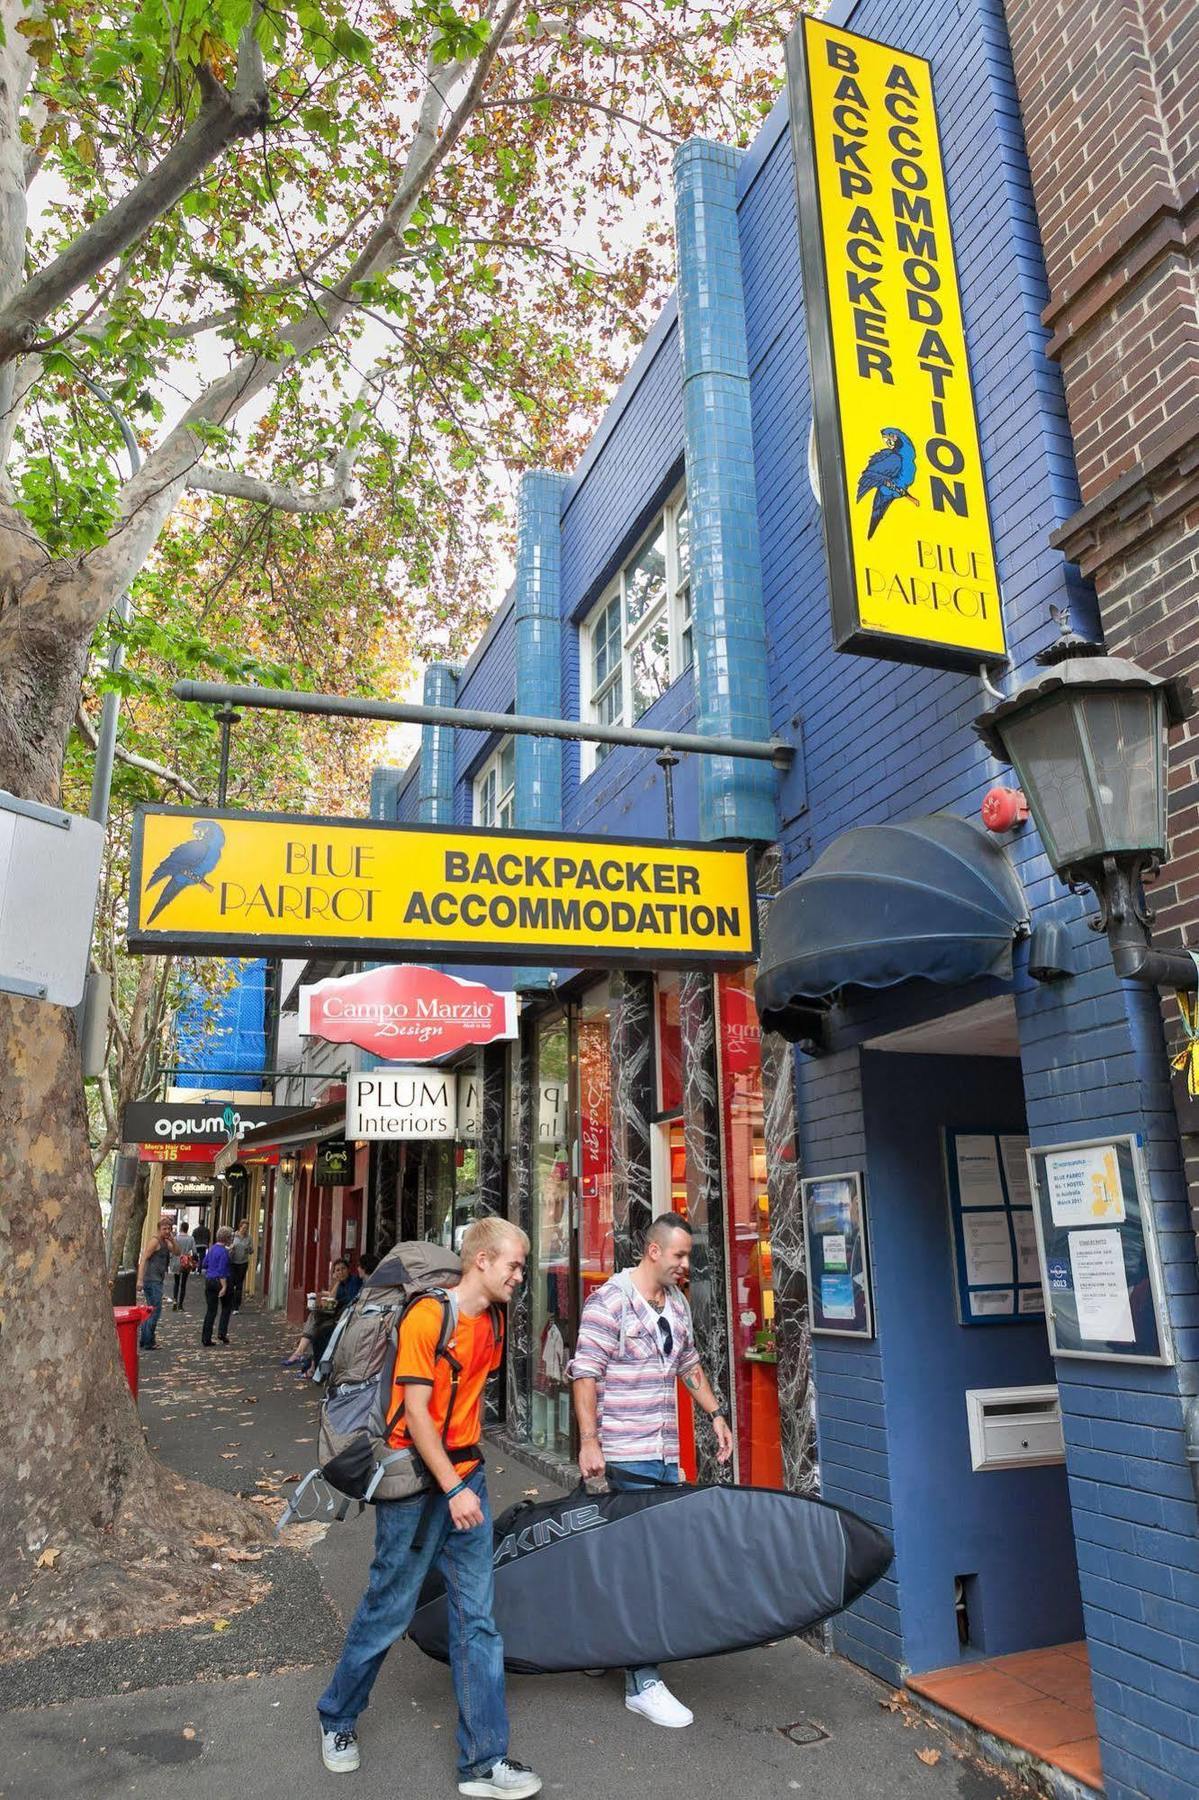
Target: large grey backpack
{"type": "Point", "coordinates": [358, 1368]}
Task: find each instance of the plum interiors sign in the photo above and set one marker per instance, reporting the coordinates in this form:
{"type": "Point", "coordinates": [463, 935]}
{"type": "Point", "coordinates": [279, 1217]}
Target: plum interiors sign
{"type": "Point", "coordinates": [907, 533]}
{"type": "Point", "coordinates": [405, 1010]}
{"type": "Point", "coordinates": [401, 1103]}
{"type": "Point", "coordinates": [239, 883]}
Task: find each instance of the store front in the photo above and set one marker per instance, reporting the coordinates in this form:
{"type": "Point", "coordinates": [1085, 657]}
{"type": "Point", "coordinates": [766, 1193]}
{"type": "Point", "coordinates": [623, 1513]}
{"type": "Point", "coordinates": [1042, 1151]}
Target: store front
{"type": "Point", "coordinates": [625, 1097]}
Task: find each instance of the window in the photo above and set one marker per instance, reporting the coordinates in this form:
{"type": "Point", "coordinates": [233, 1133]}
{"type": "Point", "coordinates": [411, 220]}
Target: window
{"type": "Point", "coordinates": [495, 788]}
{"type": "Point", "coordinates": [639, 638]}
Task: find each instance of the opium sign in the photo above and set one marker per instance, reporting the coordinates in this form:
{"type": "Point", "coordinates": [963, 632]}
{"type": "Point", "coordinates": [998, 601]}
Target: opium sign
{"type": "Point", "coordinates": [238, 883]}
{"type": "Point", "coordinates": [401, 1103]}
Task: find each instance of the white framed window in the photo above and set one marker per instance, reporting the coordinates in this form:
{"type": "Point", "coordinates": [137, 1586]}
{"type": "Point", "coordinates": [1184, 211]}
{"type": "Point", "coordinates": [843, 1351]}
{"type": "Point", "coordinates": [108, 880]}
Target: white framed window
{"type": "Point", "coordinates": [638, 638]}
{"type": "Point", "coordinates": [495, 788]}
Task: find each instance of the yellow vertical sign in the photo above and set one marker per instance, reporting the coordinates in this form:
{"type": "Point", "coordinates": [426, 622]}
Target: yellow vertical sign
{"type": "Point", "coordinates": [911, 560]}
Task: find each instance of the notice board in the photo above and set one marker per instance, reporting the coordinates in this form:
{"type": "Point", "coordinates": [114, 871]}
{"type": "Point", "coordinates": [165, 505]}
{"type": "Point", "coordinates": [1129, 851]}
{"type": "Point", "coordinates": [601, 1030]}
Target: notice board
{"type": "Point", "coordinates": [1102, 1274]}
{"type": "Point", "coordinates": [991, 1221]}
{"type": "Point", "coordinates": [838, 1257]}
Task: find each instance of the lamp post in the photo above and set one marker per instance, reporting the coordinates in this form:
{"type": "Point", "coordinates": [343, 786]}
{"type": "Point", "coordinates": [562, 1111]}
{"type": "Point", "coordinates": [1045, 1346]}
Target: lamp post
{"type": "Point", "coordinates": [1087, 740]}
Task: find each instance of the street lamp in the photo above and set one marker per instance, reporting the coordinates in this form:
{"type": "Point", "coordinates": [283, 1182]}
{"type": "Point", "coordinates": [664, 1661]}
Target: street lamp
{"type": "Point", "coordinates": [1087, 740]}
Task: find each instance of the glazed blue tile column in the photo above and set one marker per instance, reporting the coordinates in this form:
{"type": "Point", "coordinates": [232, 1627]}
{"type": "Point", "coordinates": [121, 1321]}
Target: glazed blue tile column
{"type": "Point", "coordinates": [538, 624]}
{"type": "Point", "coordinates": [736, 798]}
{"type": "Point", "coordinates": [436, 793]}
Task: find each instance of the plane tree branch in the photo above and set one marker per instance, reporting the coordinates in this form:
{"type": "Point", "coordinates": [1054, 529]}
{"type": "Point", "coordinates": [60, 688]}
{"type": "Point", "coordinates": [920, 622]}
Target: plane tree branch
{"type": "Point", "coordinates": [225, 114]}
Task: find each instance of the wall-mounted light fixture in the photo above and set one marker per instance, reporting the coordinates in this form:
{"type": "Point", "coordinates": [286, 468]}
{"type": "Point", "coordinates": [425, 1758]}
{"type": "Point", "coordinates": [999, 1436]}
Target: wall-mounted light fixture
{"type": "Point", "coordinates": [1087, 740]}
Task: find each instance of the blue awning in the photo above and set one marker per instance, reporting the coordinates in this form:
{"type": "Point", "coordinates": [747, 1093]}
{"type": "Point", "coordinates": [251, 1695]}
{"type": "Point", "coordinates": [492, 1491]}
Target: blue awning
{"type": "Point", "coordinates": [931, 899]}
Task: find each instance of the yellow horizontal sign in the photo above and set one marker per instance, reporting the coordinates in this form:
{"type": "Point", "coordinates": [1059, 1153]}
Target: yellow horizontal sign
{"type": "Point", "coordinates": [248, 884]}
{"type": "Point", "coordinates": [911, 560]}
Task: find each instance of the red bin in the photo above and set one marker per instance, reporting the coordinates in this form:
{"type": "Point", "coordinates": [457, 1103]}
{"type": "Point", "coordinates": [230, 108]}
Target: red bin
{"type": "Point", "coordinates": [128, 1321]}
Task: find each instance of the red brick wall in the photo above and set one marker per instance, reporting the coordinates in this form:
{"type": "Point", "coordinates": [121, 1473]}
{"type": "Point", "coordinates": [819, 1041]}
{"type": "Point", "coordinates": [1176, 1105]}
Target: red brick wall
{"type": "Point", "coordinates": [1109, 93]}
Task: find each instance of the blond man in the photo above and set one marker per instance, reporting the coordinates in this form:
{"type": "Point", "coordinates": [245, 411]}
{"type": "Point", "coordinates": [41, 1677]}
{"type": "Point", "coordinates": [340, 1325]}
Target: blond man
{"type": "Point", "coordinates": [450, 1527]}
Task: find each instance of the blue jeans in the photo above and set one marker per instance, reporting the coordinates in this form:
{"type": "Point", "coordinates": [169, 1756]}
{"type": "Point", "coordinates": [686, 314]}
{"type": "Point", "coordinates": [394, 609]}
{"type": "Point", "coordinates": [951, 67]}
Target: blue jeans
{"type": "Point", "coordinates": [636, 1679]}
{"type": "Point", "coordinates": [385, 1613]}
{"type": "Point", "coordinates": [153, 1293]}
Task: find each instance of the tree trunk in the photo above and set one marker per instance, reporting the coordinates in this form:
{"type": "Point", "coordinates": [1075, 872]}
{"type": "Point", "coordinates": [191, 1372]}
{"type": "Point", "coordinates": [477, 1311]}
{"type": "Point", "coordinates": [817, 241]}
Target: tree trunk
{"type": "Point", "coordinates": [124, 1194]}
{"type": "Point", "coordinates": [78, 1478]}
{"type": "Point", "coordinates": [135, 1224]}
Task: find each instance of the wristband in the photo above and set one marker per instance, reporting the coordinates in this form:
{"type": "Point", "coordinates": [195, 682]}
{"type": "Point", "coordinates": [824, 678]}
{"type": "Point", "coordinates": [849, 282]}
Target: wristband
{"type": "Point", "coordinates": [450, 1492]}
{"type": "Point", "coordinates": [586, 1436]}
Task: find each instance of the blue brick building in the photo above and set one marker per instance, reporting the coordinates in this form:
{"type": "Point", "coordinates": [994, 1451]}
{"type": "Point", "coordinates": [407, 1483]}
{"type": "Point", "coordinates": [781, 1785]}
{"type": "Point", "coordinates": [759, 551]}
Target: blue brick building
{"type": "Point", "coordinates": [678, 580]}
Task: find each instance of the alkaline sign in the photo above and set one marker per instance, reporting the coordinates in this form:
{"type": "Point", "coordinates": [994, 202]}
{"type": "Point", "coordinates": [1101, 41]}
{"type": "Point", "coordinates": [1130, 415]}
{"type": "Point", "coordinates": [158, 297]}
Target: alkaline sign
{"type": "Point", "coordinates": [907, 535]}
{"type": "Point", "coordinates": [239, 883]}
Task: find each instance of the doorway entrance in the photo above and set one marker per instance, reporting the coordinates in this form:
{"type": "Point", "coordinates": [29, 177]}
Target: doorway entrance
{"type": "Point", "coordinates": [985, 1557]}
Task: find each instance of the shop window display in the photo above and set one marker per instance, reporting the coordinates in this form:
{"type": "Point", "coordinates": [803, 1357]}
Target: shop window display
{"type": "Point", "coordinates": [748, 1205]}
{"type": "Point", "coordinates": [553, 1317]}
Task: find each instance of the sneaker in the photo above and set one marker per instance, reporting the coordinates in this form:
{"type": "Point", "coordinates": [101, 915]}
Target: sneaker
{"type": "Point", "coordinates": [512, 1780]}
{"type": "Point", "coordinates": [656, 1703]}
{"type": "Point", "coordinates": [339, 1751]}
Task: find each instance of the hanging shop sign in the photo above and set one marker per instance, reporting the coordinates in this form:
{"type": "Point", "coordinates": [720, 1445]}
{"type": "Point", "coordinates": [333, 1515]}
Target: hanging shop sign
{"type": "Point", "coordinates": [234, 883]}
{"type": "Point", "coordinates": [194, 1188]}
{"type": "Point", "coordinates": [334, 1164]}
{"type": "Point", "coordinates": [1104, 1295]}
{"type": "Point", "coordinates": [210, 1123]}
{"type": "Point", "coordinates": [401, 1103]}
{"type": "Point", "coordinates": [404, 1009]}
{"type": "Point", "coordinates": [911, 560]}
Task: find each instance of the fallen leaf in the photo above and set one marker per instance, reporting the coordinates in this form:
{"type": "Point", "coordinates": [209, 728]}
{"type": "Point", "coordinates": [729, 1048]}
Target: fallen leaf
{"type": "Point", "coordinates": [47, 1559]}
{"type": "Point", "coordinates": [228, 1455]}
{"type": "Point", "coordinates": [930, 1758]}
{"type": "Point", "coordinates": [189, 1732]}
{"type": "Point", "coordinates": [220, 1624]}
{"type": "Point", "coordinates": [206, 1541]}
{"type": "Point", "coordinates": [244, 1555]}
{"type": "Point", "coordinates": [532, 1493]}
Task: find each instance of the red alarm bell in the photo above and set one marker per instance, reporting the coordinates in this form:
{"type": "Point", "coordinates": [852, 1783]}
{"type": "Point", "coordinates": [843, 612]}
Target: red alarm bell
{"type": "Point", "coordinates": [1004, 807]}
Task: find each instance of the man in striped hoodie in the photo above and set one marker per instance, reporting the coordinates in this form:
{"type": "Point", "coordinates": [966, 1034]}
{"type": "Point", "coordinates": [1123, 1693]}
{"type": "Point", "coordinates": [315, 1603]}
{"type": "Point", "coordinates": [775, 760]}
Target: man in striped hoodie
{"type": "Point", "coordinates": [635, 1342]}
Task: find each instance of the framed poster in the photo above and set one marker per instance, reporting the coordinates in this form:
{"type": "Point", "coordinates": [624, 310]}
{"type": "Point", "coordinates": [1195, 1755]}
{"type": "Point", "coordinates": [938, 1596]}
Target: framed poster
{"type": "Point", "coordinates": [992, 1227]}
{"type": "Point", "coordinates": [838, 1258]}
{"type": "Point", "coordinates": [1102, 1275]}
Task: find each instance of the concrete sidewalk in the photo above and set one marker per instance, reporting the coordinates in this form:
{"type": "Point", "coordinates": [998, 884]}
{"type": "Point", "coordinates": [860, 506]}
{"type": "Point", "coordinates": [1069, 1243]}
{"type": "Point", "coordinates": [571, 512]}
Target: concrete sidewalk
{"type": "Point", "coordinates": [186, 1712]}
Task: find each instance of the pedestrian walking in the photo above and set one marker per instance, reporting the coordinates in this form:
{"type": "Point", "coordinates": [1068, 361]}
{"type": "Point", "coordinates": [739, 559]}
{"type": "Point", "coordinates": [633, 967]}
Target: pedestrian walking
{"type": "Point", "coordinates": [183, 1261]}
{"type": "Point", "coordinates": [239, 1257]}
{"type": "Point", "coordinates": [203, 1237]}
{"type": "Point", "coordinates": [449, 1526]}
{"type": "Point", "coordinates": [635, 1342]}
{"type": "Point", "coordinates": [218, 1287]}
{"type": "Point", "coordinates": [156, 1260]}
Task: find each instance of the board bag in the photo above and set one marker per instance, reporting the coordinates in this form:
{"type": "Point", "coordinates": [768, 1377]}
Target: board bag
{"type": "Point", "coordinates": [357, 1366]}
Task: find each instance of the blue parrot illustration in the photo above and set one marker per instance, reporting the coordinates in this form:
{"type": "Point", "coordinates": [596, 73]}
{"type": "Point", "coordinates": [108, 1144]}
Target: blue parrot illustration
{"type": "Point", "coordinates": [890, 472]}
{"type": "Point", "coordinates": [188, 864]}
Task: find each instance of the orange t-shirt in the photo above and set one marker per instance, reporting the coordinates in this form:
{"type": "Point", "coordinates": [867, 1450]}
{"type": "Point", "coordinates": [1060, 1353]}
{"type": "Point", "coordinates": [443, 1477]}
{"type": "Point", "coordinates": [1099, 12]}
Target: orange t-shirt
{"type": "Point", "coordinates": [472, 1343]}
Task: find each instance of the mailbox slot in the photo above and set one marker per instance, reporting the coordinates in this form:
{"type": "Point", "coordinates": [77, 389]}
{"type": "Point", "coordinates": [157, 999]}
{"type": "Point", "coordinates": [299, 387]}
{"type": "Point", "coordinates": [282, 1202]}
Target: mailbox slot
{"type": "Point", "coordinates": [1014, 1428]}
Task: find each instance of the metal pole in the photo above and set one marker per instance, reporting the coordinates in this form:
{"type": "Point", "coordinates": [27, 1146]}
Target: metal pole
{"type": "Point", "coordinates": [106, 736]}
{"type": "Point", "coordinates": [125, 1168]}
{"type": "Point", "coordinates": [402, 712]}
{"type": "Point", "coordinates": [227, 719]}
{"type": "Point", "coordinates": [667, 761]}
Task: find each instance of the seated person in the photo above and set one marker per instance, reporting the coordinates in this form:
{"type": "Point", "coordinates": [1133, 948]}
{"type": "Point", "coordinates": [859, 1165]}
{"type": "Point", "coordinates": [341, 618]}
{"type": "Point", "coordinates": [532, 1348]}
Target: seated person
{"type": "Point", "coordinates": [342, 1291]}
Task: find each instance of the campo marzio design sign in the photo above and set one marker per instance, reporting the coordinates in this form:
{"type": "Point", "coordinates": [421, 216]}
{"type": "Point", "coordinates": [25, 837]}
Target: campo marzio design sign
{"type": "Point", "coordinates": [404, 1010]}
{"type": "Point", "coordinates": [240, 883]}
{"type": "Point", "coordinates": [911, 560]}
